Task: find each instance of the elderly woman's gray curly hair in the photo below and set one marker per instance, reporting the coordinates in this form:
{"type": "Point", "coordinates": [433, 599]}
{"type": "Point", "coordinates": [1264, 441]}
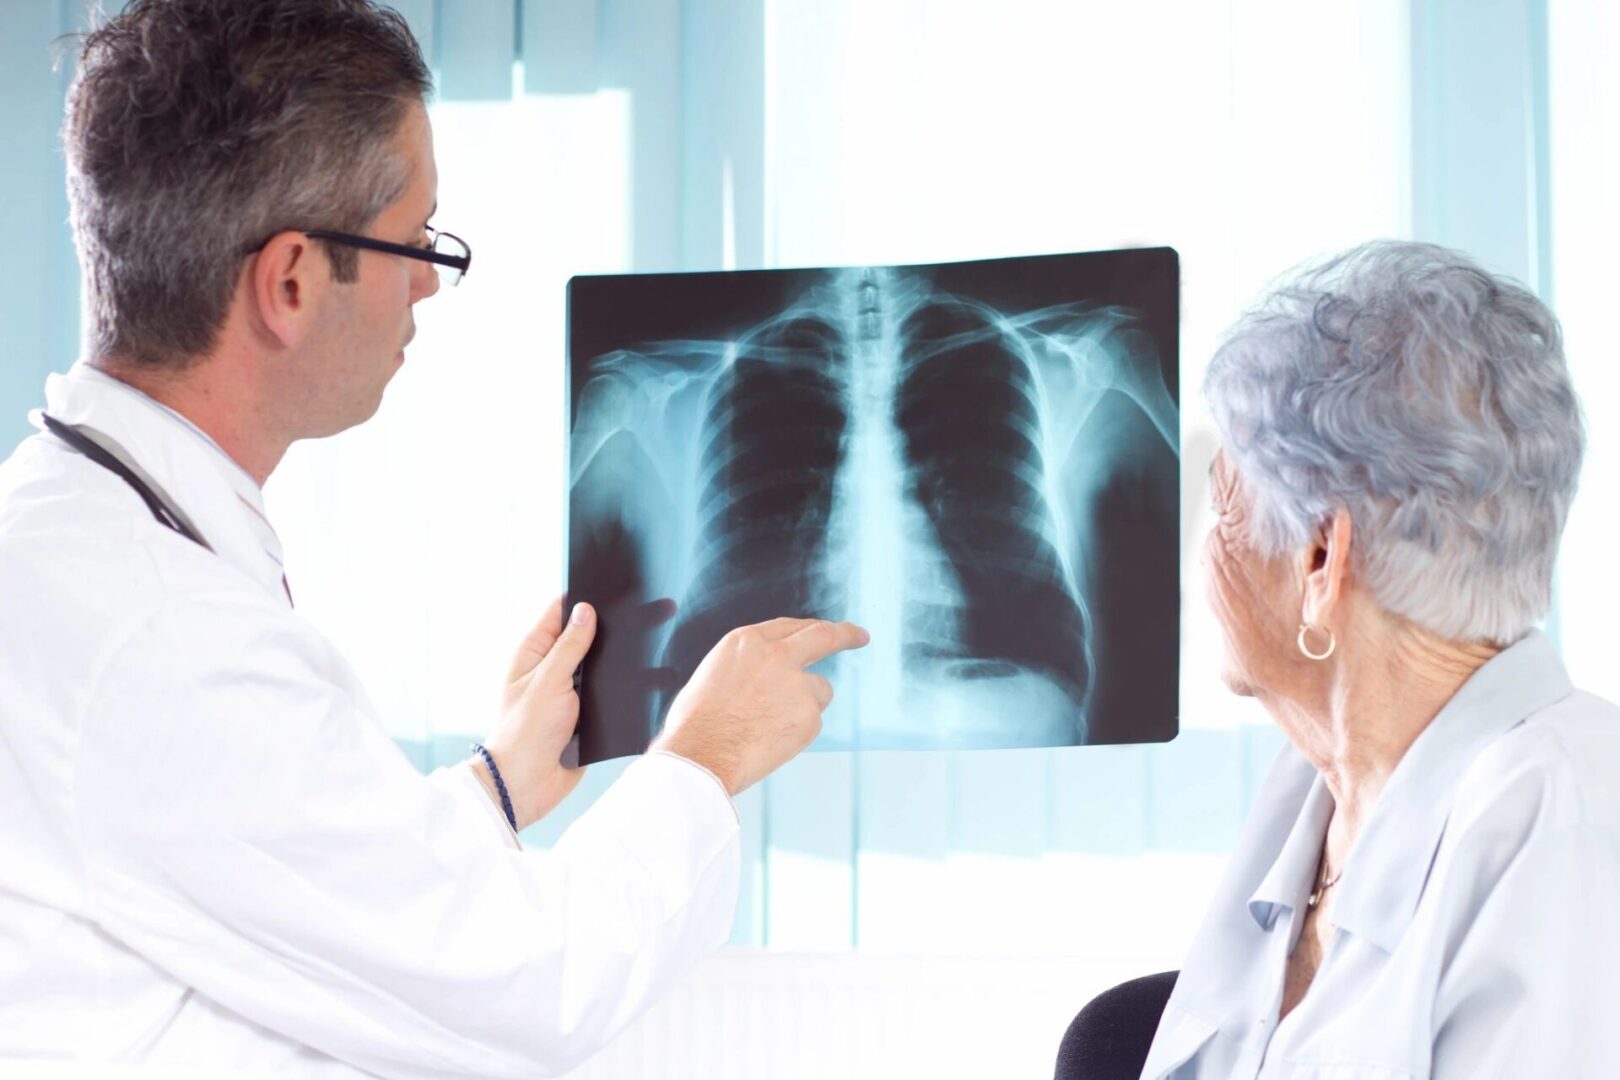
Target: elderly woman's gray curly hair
{"type": "Point", "coordinates": [1431, 400]}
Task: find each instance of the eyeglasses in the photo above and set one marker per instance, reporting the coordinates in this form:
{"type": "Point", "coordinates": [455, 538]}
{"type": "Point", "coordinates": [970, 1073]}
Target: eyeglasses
{"type": "Point", "coordinates": [449, 253]}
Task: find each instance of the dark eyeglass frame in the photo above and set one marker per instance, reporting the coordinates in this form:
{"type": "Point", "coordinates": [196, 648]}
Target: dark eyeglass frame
{"type": "Point", "coordinates": [459, 263]}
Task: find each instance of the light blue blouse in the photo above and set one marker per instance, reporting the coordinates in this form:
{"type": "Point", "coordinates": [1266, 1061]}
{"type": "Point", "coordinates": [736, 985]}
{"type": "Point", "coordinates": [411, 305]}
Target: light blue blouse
{"type": "Point", "coordinates": [1478, 916]}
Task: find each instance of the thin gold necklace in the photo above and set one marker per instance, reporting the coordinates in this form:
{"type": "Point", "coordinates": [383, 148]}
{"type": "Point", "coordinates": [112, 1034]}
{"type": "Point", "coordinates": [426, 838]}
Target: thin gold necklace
{"type": "Point", "coordinates": [1323, 882]}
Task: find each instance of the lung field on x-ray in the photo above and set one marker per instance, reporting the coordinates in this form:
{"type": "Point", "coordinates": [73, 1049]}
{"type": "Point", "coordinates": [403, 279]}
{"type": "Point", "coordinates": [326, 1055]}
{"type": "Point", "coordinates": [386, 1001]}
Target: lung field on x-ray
{"type": "Point", "coordinates": [939, 454]}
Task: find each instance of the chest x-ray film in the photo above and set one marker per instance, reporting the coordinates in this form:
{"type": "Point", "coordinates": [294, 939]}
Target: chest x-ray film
{"type": "Point", "coordinates": [975, 461]}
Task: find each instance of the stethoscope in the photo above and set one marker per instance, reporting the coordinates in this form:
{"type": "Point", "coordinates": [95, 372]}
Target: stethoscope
{"type": "Point", "coordinates": [160, 510]}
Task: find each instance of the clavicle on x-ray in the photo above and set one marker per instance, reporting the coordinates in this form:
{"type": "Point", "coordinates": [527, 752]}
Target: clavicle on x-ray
{"type": "Point", "coordinates": [977, 462]}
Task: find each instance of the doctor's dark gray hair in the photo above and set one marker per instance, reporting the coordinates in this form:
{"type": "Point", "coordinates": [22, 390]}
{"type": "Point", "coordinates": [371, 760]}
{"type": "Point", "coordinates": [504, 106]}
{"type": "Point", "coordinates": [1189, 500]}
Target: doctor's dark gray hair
{"type": "Point", "coordinates": [1430, 399]}
{"type": "Point", "coordinates": [198, 129]}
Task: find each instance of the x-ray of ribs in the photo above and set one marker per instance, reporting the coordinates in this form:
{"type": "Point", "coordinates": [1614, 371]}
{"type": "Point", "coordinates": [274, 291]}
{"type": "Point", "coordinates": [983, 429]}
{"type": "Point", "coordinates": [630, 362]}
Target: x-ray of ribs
{"type": "Point", "coordinates": [900, 457]}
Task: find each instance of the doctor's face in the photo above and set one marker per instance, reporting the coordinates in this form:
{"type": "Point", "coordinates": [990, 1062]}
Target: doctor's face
{"type": "Point", "coordinates": [368, 322]}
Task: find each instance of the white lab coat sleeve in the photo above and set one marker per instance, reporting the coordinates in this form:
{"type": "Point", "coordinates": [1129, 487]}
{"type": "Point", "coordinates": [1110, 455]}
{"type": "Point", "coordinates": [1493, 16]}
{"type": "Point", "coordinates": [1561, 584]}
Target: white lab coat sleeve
{"type": "Point", "coordinates": [462, 784]}
{"type": "Point", "coordinates": [1530, 973]}
{"type": "Point", "coordinates": [249, 827]}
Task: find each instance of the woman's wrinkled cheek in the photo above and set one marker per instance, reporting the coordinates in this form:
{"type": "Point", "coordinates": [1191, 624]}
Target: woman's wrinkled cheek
{"type": "Point", "coordinates": [1233, 600]}
{"type": "Point", "coordinates": [1223, 570]}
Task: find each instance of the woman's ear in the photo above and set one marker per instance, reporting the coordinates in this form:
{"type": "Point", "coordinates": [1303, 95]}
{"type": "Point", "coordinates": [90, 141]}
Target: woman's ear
{"type": "Point", "coordinates": [1326, 568]}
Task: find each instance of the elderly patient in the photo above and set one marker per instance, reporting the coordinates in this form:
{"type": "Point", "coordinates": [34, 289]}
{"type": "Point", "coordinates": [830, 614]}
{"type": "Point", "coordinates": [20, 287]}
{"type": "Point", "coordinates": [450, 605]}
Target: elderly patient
{"type": "Point", "coordinates": [1429, 883]}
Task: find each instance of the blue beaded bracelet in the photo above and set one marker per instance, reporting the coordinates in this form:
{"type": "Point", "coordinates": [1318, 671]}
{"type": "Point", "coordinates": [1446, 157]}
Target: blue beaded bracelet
{"type": "Point", "coordinates": [500, 785]}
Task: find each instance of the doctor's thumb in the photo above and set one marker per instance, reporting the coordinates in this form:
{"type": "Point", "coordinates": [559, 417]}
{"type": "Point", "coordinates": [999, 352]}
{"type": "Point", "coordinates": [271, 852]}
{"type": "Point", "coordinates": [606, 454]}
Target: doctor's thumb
{"type": "Point", "coordinates": [574, 642]}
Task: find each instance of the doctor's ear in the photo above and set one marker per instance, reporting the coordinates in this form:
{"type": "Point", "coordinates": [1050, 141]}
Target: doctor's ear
{"type": "Point", "coordinates": [1326, 566]}
{"type": "Point", "coordinates": [286, 280]}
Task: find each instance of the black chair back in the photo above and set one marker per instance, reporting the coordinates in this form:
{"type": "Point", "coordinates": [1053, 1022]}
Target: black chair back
{"type": "Point", "coordinates": [1109, 1039]}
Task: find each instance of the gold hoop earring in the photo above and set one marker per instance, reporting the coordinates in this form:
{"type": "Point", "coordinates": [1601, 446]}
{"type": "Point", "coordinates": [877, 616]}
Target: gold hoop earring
{"type": "Point", "coordinates": [1306, 649]}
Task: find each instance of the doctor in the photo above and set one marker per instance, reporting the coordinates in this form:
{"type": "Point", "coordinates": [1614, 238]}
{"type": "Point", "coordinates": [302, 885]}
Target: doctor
{"type": "Point", "coordinates": [212, 857]}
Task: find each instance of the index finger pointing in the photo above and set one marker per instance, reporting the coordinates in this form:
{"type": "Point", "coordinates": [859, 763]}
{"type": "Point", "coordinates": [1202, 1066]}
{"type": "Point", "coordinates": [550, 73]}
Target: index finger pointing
{"type": "Point", "coordinates": [820, 639]}
{"type": "Point", "coordinates": [776, 629]}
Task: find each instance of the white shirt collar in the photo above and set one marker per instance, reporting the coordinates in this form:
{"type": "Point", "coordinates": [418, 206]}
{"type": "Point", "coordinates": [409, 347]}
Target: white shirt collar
{"type": "Point", "coordinates": [1389, 866]}
{"type": "Point", "coordinates": [190, 471]}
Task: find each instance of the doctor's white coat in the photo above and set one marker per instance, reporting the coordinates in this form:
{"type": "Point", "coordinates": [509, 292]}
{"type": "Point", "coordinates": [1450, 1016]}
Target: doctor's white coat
{"type": "Point", "coordinates": [212, 856]}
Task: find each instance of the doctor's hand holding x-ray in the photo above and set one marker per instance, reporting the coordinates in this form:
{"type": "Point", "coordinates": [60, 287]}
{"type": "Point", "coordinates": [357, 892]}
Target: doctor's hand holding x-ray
{"type": "Point", "coordinates": [749, 709]}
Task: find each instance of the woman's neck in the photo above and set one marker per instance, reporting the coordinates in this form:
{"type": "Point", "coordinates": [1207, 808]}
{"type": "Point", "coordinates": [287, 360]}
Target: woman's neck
{"type": "Point", "coordinates": [1387, 683]}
